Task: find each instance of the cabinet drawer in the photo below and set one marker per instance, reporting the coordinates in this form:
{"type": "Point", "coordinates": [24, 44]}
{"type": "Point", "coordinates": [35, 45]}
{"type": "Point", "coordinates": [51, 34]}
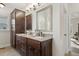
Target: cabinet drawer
{"type": "Point", "coordinates": [34, 43]}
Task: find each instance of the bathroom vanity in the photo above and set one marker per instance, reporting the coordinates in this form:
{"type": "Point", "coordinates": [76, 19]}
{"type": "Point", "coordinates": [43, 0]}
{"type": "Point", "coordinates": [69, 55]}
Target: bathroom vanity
{"type": "Point", "coordinates": [28, 45]}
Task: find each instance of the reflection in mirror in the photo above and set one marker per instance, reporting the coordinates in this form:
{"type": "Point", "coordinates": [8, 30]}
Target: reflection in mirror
{"type": "Point", "coordinates": [44, 19]}
{"type": "Point", "coordinates": [29, 22]}
{"type": "Point", "coordinates": [74, 28]}
{"type": "Point", "coordinates": [75, 34]}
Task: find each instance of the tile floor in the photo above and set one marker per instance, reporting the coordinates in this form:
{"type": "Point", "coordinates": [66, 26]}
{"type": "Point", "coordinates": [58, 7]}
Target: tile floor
{"type": "Point", "coordinates": [74, 54]}
{"type": "Point", "coordinates": [8, 51]}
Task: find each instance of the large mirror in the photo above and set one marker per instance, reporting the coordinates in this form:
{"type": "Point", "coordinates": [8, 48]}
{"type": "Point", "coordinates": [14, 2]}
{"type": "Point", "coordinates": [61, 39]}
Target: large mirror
{"type": "Point", "coordinates": [44, 19]}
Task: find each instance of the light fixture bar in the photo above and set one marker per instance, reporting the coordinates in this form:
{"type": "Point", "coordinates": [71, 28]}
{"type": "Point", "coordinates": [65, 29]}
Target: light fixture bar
{"type": "Point", "coordinates": [2, 5]}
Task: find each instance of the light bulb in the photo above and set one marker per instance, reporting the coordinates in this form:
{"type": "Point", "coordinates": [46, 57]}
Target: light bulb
{"type": "Point", "coordinates": [1, 5]}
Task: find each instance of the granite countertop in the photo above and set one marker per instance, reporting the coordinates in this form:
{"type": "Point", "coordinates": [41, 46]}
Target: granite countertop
{"type": "Point", "coordinates": [38, 38]}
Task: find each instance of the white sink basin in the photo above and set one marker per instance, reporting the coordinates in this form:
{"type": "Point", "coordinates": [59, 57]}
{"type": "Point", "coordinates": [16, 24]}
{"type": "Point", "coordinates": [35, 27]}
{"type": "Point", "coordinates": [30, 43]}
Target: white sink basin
{"type": "Point", "coordinates": [38, 37]}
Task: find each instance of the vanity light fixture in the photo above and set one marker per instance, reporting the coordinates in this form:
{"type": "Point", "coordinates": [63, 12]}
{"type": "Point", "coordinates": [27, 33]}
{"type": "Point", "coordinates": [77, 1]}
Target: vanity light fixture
{"type": "Point", "coordinates": [39, 4]}
{"type": "Point", "coordinates": [2, 5]}
{"type": "Point", "coordinates": [27, 10]}
{"type": "Point", "coordinates": [33, 7]}
{"type": "Point", "coordinates": [36, 5]}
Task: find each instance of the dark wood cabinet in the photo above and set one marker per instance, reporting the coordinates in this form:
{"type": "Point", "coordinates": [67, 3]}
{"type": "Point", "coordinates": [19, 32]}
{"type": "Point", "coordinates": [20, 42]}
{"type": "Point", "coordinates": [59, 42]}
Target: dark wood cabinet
{"type": "Point", "coordinates": [17, 22]}
{"type": "Point", "coordinates": [31, 47]}
{"type": "Point", "coordinates": [21, 45]}
{"type": "Point", "coordinates": [18, 43]}
{"type": "Point", "coordinates": [34, 47]}
{"type": "Point", "coordinates": [46, 48]}
{"type": "Point", "coordinates": [29, 22]}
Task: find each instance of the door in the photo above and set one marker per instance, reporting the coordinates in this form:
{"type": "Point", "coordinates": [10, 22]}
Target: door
{"type": "Point", "coordinates": [66, 30]}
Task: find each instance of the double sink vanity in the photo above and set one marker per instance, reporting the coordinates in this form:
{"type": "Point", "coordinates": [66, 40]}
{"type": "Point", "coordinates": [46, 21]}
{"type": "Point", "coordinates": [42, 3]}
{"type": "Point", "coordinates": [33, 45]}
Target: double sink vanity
{"type": "Point", "coordinates": [29, 45]}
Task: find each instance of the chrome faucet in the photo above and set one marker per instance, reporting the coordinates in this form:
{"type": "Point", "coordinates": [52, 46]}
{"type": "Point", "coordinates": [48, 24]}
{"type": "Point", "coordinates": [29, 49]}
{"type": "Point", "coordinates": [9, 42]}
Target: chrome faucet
{"type": "Point", "coordinates": [39, 32]}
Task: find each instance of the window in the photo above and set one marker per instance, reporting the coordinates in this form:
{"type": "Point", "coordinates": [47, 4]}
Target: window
{"type": "Point", "coordinates": [3, 24]}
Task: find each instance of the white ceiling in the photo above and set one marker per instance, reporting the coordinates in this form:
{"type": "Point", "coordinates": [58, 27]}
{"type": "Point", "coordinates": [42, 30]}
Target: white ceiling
{"type": "Point", "coordinates": [4, 12]}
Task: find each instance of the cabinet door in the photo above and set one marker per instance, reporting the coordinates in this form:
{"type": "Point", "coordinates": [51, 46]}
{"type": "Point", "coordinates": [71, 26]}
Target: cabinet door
{"type": "Point", "coordinates": [33, 47]}
{"type": "Point", "coordinates": [23, 46]}
{"type": "Point", "coordinates": [33, 51]}
{"type": "Point", "coordinates": [46, 49]}
{"type": "Point", "coordinates": [18, 38]}
{"type": "Point", "coordinates": [20, 21]}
